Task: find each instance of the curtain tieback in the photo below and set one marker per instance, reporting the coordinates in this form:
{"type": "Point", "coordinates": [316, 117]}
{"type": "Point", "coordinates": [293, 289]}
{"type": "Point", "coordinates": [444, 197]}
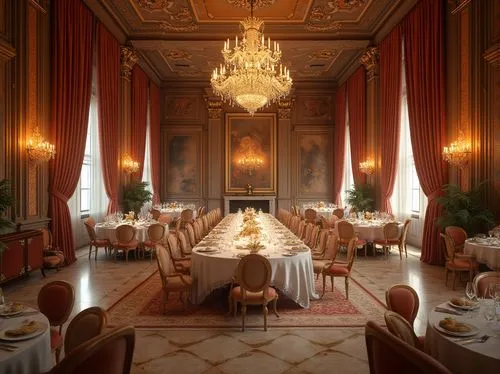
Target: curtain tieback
{"type": "Point", "coordinates": [434, 194]}
{"type": "Point", "coordinates": [60, 196]}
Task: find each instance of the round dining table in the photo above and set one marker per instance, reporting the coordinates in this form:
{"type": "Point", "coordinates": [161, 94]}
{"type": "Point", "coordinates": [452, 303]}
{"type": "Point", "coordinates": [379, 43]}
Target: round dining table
{"type": "Point", "coordinates": [107, 230]}
{"type": "Point", "coordinates": [486, 251]}
{"type": "Point", "coordinates": [29, 356]}
{"type": "Point", "coordinates": [457, 356]}
{"type": "Point", "coordinates": [369, 230]}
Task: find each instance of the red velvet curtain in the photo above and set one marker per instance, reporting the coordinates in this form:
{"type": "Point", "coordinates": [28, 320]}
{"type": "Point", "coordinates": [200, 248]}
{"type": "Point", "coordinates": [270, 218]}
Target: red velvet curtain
{"type": "Point", "coordinates": [154, 110]}
{"type": "Point", "coordinates": [139, 116]}
{"type": "Point", "coordinates": [424, 62]}
{"type": "Point", "coordinates": [108, 86]}
{"type": "Point", "coordinates": [356, 104]}
{"type": "Point", "coordinates": [72, 47]}
{"type": "Point", "coordinates": [390, 113]}
{"type": "Point", "coordinates": [339, 145]}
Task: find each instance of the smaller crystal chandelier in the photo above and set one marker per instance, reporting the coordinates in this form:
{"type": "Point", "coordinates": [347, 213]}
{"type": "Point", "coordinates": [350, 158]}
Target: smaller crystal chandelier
{"type": "Point", "coordinates": [459, 151]}
{"type": "Point", "coordinates": [250, 162]}
{"type": "Point", "coordinates": [129, 165]}
{"type": "Point", "coordinates": [39, 150]}
{"type": "Point", "coordinates": [250, 75]}
{"type": "Point", "coordinates": [367, 167]}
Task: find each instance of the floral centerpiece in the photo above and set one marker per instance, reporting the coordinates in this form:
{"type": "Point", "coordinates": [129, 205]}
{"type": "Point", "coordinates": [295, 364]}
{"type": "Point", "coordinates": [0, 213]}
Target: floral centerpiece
{"type": "Point", "coordinates": [130, 216]}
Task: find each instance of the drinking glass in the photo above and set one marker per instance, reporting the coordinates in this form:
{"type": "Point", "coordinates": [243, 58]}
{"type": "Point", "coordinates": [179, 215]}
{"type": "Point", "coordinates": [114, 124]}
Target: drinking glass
{"type": "Point", "coordinates": [489, 312]}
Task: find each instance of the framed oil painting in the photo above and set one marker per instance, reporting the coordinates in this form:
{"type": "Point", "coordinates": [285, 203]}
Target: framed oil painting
{"type": "Point", "coordinates": [250, 153]}
{"type": "Point", "coordinates": [183, 163]}
{"type": "Point", "coordinates": [314, 177]}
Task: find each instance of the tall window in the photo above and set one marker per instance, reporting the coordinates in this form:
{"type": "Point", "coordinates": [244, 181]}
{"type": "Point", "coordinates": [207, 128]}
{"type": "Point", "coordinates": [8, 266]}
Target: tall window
{"type": "Point", "coordinates": [146, 173]}
{"type": "Point", "coordinates": [348, 179]}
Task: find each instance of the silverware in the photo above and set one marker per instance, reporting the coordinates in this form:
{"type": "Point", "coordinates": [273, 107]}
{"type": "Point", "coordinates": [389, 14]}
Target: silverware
{"type": "Point", "coordinates": [482, 339]}
{"type": "Point", "coordinates": [449, 311]}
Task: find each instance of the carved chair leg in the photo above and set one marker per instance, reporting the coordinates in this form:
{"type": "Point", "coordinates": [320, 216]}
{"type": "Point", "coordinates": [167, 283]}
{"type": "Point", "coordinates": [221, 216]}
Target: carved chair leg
{"type": "Point", "coordinates": [243, 315]}
{"type": "Point", "coordinates": [275, 306]}
{"type": "Point", "coordinates": [347, 288]}
{"type": "Point", "coordinates": [265, 311]}
{"type": "Point", "coordinates": [42, 269]}
{"type": "Point", "coordinates": [90, 250]}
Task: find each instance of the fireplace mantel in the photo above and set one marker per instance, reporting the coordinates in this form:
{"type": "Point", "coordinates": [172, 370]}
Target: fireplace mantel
{"type": "Point", "coordinates": [270, 199]}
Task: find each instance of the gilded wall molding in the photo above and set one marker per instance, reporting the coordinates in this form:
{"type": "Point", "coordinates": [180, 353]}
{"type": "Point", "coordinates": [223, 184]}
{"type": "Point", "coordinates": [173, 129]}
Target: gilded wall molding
{"type": "Point", "coordinates": [369, 59]}
{"type": "Point", "coordinates": [128, 58]}
{"type": "Point", "coordinates": [285, 108]}
{"type": "Point", "coordinates": [214, 106]}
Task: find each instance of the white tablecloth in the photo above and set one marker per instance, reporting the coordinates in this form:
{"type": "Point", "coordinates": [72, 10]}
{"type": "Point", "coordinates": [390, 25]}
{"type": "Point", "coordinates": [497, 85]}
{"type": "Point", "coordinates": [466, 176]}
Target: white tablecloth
{"type": "Point", "coordinates": [459, 358]}
{"type": "Point", "coordinates": [107, 230]}
{"type": "Point", "coordinates": [293, 275]}
{"type": "Point", "coordinates": [176, 212]}
{"type": "Point", "coordinates": [33, 355]}
{"type": "Point", "coordinates": [487, 251]}
{"type": "Point", "coordinates": [325, 212]}
{"type": "Point", "coordinates": [368, 230]}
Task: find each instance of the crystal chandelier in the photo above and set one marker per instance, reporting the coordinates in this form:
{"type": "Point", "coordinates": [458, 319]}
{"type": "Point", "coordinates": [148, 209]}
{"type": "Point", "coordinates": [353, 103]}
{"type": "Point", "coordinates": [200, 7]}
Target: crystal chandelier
{"type": "Point", "coordinates": [129, 165]}
{"type": "Point", "coordinates": [367, 167]}
{"type": "Point", "coordinates": [459, 151]}
{"type": "Point", "coordinates": [38, 148]}
{"type": "Point", "coordinates": [250, 75]}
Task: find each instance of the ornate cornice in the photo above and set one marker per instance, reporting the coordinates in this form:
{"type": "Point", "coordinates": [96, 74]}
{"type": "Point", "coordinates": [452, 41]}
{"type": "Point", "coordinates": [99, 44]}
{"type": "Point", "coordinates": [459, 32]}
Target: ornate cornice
{"type": "Point", "coordinates": [128, 58]}
{"type": "Point", "coordinates": [369, 59]}
{"type": "Point", "coordinates": [285, 108]}
{"type": "Point", "coordinates": [492, 54]}
{"type": "Point", "coordinates": [246, 3]}
{"type": "Point", "coordinates": [214, 106]}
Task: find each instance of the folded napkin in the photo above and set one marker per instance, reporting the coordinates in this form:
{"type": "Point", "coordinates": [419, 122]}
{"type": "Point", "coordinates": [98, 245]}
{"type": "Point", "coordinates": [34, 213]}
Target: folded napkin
{"type": "Point", "coordinates": [449, 311]}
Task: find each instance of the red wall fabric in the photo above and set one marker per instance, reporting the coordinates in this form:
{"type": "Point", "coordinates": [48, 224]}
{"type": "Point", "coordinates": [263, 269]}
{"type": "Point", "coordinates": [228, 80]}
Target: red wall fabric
{"type": "Point", "coordinates": [356, 104]}
{"type": "Point", "coordinates": [339, 145]}
{"type": "Point", "coordinates": [108, 86]}
{"type": "Point", "coordinates": [154, 94]}
{"type": "Point", "coordinates": [72, 47]}
{"type": "Point", "coordinates": [390, 113]}
{"type": "Point", "coordinates": [139, 117]}
{"type": "Point", "coordinates": [424, 62]}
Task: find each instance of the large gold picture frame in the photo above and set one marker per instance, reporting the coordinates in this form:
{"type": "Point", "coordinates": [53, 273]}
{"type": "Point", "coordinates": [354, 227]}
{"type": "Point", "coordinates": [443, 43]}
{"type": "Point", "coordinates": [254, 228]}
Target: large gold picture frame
{"type": "Point", "coordinates": [250, 157]}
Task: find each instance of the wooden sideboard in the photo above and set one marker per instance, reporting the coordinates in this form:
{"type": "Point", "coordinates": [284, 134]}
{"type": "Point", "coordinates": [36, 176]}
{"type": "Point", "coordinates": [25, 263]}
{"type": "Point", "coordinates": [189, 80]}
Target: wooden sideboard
{"type": "Point", "coordinates": [23, 254]}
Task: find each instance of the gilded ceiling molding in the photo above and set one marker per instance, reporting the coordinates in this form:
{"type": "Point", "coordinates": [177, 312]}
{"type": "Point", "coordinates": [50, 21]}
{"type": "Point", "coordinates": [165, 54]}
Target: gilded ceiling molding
{"type": "Point", "coordinates": [246, 3]}
{"type": "Point", "coordinates": [128, 58]}
{"type": "Point", "coordinates": [492, 54]}
{"type": "Point", "coordinates": [285, 108]}
{"type": "Point", "coordinates": [323, 18]}
{"type": "Point", "coordinates": [369, 59]}
{"type": "Point", "coordinates": [178, 16]}
{"type": "Point", "coordinates": [214, 106]}
{"type": "Point", "coordinates": [458, 5]}
{"type": "Point", "coordinates": [170, 27]}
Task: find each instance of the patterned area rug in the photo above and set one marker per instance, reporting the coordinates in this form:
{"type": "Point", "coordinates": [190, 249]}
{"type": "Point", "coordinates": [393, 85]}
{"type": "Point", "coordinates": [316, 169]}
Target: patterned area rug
{"type": "Point", "coordinates": [142, 308]}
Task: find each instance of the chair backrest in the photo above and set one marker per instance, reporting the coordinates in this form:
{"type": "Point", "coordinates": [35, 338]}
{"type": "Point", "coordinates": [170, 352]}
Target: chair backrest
{"type": "Point", "coordinates": [198, 230]}
{"type": "Point", "coordinates": [183, 242]}
{"type": "Point", "coordinates": [55, 301]}
{"type": "Point", "coordinates": [314, 236]}
{"type": "Point", "coordinates": [155, 213]}
{"type": "Point", "coordinates": [91, 221]}
{"type": "Point", "coordinates": [46, 238]}
{"type": "Point", "coordinates": [339, 213]}
{"type": "Point", "coordinates": [399, 327]}
{"type": "Point", "coordinates": [458, 235]}
{"type": "Point", "coordinates": [254, 273]}
{"type": "Point", "coordinates": [190, 232]}
{"type": "Point", "coordinates": [125, 233]}
{"type": "Point", "coordinates": [403, 299]}
{"type": "Point", "coordinates": [90, 230]}
{"type": "Point", "coordinates": [387, 354]}
{"type": "Point", "coordinates": [345, 230]}
{"type": "Point", "coordinates": [332, 247]}
{"type": "Point", "coordinates": [202, 211]}
{"type": "Point", "coordinates": [173, 246]}
{"type": "Point", "coordinates": [164, 218]}
{"type": "Point", "coordinates": [308, 232]}
{"type": "Point", "coordinates": [187, 215]}
{"type": "Point", "coordinates": [165, 263]}
{"type": "Point", "coordinates": [324, 222]}
{"type": "Point", "coordinates": [204, 221]}
{"type": "Point", "coordinates": [156, 232]}
{"type": "Point", "coordinates": [310, 215]}
{"type": "Point", "coordinates": [323, 239]}
{"type": "Point", "coordinates": [391, 231]}
{"type": "Point", "coordinates": [301, 230]}
{"type": "Point", "coordinates": [482, 281]}
{"type": "Point", "coordinates": [108, 353]}
{"type": "Point", "coordinates": [449, 247]}
{"type": "Point", "coordinates": [404, 231]}
{"type": "Point", "coordinates": [85, 325]}
{"type": "Point", "coordinates": [294, 224]}
{"type": "Point", "coordinates": [351, 252]}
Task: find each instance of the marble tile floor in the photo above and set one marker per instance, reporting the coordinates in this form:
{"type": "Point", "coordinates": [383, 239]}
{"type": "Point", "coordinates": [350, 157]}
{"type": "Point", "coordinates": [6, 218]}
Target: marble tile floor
{"type": "Point", "coordinates": [279, 350]}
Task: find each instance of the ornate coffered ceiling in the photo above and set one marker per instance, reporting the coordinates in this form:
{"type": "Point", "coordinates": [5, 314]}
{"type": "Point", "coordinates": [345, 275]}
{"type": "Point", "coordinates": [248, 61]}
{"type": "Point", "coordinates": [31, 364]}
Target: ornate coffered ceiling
{"type": "Point", "coordinates": [321, 40]}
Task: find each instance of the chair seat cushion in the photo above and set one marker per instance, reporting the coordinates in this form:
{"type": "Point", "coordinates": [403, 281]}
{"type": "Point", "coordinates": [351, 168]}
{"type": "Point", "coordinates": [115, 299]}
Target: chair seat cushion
{"type": "Point", "coordinates": [52, 260]}
{"type": "Point", "coordinates": [338, 269]}
{"type": "Point", "coordinates": [386, 242]}
{"type": "Point", "coordinates": [101, 242]}
{"type": "Point", "coordinates": [176, 283]}
{"type": "Point", "coordinates": [359, 242]}
{"type": "Point", "coordinates": [149, 244]}
{"type": "Point", "coordinates": [459, 264]}
{"type": "Point", "coordinates": [56, 339]}
{"type": "Point", "coordinates": [318, 265]}
{"type": "Point", "coordinates": [251, 297]}
{"type": "Point", "coordinates": [130, 245]}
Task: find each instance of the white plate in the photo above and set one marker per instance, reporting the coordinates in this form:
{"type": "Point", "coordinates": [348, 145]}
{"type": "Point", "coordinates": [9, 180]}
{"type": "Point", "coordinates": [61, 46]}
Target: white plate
{"type": "Point", "coordinates": [41, 330]}
{"type": "Point", "coordinates": [474, 330]}
{"type": "Point", "coordinates": [206, 250]}
{"type": "Point", "coordinates": [289, 254]}
{"type": "Point", "coordinates": [5, 313]}
{"type": "Point", "coordinates": [464, 307]}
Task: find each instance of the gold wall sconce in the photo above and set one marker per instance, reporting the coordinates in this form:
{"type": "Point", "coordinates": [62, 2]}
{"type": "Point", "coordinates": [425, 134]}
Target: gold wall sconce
{"type": "Point", "coordinates": [367, 167]}
{"type": "Point", "coordinates": [39, 150]}
{"type": "Point", "coordinates": [129, 165]}
{"type": "Point", "coordinates": [458, 153]}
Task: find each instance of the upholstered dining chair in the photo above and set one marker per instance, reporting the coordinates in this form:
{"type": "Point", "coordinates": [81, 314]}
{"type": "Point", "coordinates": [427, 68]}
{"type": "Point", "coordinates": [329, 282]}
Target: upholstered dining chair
{"type": "Point", "coordinates": [318, 253]}
{"type": "Point", "coordinates": [84, 326]}
{"type": "Point", "coordinates": [171, 280]}
{"type": "Point", "coordinates": [198, 230]}
{"type": "Point", "coordinates": [399, 327]}
{"type": "Point", "coordinates": [329, 255]}
{"type": "Point", "coordinates": [402, 239]}
{"type": "Point", "coordinates": [155, 213]}
{"type": "Point", "coordinates": [184, 244]}
{"type": "Point", "coordinates": [165, 218]}
{"type": "Point", "coordinates": [190, 235]}
{"type": "Point", "coordinates": [125, 241]}
{"type": "Point", "coordinates": [346, 232]}
{"type": "Point", "coordinates": [55, 301]}
{"type": "Point", "coordinates": [339, 213]}
{"type": "Point", "coordinates": [254, 276]}
{"type": "Point", "coordinates": [156, 232]}
{"type": "Point", "coordinates": [391, 237]}
{"type": "Point", "coordinates": [388, 354]}
{"type": "Point", "coordinates": [403, 299]}
{"type": "Point", "coordinates": [301, 230]}
{"type": "Point", "coordinates": [458, 235]}
{"type": "Point", "coordinates": [310, 215]}
{"type": "Point", "coordinates": [482, 281]}
{"type": "Point", "coordinates": [180, 263]}
{"type": "Point", "coordinates": [52, 257]}
{"type": "Point", "coordinates": [340, 269]}
{"type": "Point", "coordinates": [93, 241]}
{"type": "Point", "coordinates": [457, 263]}
{"type": "Point", "coordinates": [107, 353]}
{"type": "Point", "coordinates": [307, 233]}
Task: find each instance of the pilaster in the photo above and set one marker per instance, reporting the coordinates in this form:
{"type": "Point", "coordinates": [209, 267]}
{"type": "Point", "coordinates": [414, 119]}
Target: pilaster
{"type": "Point", "coordinates": [284, 198]}
{"type": "Point", "coordinates": [215, 152]}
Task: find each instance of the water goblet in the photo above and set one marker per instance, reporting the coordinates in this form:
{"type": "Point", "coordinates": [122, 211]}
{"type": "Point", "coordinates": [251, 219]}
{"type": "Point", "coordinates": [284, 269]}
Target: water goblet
{"type": "Point", "coordinates": [489, 312]}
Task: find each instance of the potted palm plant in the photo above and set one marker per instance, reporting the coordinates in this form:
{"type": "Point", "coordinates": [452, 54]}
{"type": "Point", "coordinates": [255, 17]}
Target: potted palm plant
{"type": "Point", "coordinates": [135, 195]}
{"type": "Point", "coordinates": [360, 197]}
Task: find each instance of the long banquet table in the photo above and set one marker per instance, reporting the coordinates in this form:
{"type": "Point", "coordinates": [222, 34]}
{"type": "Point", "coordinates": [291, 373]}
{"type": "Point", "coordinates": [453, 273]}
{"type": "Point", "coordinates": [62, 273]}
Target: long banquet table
{"type": "Point", "coordinates": [291, 262]}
